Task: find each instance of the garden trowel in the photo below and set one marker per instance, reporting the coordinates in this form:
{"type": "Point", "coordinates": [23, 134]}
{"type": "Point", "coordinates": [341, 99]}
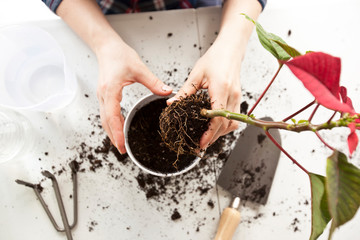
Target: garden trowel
{"type": "Point", "coordinates": [247, 174]}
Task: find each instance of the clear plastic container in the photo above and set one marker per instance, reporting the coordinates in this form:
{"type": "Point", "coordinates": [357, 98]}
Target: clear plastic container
{"type": "Point", "coordinates": [16, 135]}
{"type": "Point", "coordinates": [34, 74]}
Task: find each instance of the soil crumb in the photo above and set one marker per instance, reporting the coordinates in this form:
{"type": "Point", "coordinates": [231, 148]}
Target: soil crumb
{"type": "Point", "coordinates": [176, 215]}
{"type": "Point", "coordinates": [261, 138]}
{"type": "Point", "coordinates": [244, 107]}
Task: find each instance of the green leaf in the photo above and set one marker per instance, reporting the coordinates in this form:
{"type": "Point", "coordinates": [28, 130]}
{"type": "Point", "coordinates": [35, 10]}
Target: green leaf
{"type": "Point", "coordinates": [290, 50]}
{"type": "Point", "coordinates": [320, 216]}
{"type": "Point", "coordinates": [343, 189]}
{"type": "Point", "coordinates": [267, 40]}
{"type": "Point", "coordinates": [303, 121]}
{"type": "Point", "coordinates": [293, 120]}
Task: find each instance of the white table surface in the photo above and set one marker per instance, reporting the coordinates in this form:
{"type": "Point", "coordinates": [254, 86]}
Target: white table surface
{"type": "Point", "coordinates": [111, 203]}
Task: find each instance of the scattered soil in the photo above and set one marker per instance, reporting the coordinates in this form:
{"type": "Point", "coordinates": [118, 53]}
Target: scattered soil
{"type": "Point", "coordinates": [210, 203]}
{"type": "Point", "coordinates": [92, 225]}
{"type": "Point", "coordinates": [244, 107]}
{"type": "Point", "coordinates": [294, 224]}
{"type": "Point", "coordinates": [261, 138]}
{"type": "Point", "coordinates": [146, 143]}
{"type": "Point", "coordinates": [176, 215]}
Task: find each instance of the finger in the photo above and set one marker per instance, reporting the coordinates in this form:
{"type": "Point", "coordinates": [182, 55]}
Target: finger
{"type": "Point", "coordinates": [102, 114]}
{"type": "Point", "coordinates": [233, 125]}
{"type": "Point", "coordinates": [217, 124]}
{"type": "Point", "coordinates": [113, 117]}
{"type": "Point", "coordinates": [233, 105]}
{"type": "Point", "coordinates": [104, 123]}
{"type": "Point", "coordinates": [155, 85]}
{"type": "Point", "coordinates": [227, 127]}
{"type": "Point", "coordinates": [207, 137]}
{"type": "Point", "coordinates": [190, 87]}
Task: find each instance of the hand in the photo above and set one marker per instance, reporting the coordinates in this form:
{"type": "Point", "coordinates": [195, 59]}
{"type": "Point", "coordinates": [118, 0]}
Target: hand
{"type": "Point", "coordinates": [218, 70]}
{"type": "Point", "coordinates": [119, 66]}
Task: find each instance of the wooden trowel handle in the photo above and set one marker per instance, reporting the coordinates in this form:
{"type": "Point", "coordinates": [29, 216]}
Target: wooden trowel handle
{"type": "Point", "coordinates": [229, 220]}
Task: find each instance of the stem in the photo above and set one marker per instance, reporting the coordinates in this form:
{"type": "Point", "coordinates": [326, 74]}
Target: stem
{"type": "Point", "coordinates": [286, 153]}
{"type": "Point", "coordinates": [313, 113]}
{"type": "Point", "coordinates": [298, 127]}
{"type": "Point", "coordinates": [323, 141]}
{"type": "Point", "coordinates": [332, 117]}
{"type": "Point", "coordinates": [266, 89]}
{"type": "Point", "coordinates": [301, 110]}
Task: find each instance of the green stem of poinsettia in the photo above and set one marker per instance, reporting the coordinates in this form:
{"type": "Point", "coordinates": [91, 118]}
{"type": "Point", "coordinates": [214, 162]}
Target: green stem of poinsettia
{"type": "Point", "coordinates": [296, 127]}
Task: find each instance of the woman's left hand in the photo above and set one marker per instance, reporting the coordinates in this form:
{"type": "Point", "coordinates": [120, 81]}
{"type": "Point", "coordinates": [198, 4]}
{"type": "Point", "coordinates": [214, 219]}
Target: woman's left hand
{"type": "Point", "coordinates": [218, 70]}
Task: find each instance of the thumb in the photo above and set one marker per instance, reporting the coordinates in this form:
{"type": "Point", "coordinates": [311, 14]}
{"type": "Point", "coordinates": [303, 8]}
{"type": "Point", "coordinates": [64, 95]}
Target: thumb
{"type": "Point", "coordinates": [155, 85]}
{"type": "Point", "coordinates": [191, 86]}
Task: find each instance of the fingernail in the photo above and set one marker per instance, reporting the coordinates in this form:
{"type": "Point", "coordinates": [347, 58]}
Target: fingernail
{"type": "Point", "coordinates": [166, 88]}
{"type": "Point", "coordinates": [173, 99]}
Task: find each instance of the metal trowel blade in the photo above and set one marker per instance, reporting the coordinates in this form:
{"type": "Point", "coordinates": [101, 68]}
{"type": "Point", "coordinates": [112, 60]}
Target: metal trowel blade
{"type": "Point", "coordinates": [249, 171]}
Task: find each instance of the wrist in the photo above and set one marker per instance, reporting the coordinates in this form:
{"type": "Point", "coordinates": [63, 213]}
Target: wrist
{"type": "Point", "coordinates": [235, 30]}
{"type": "Point", "coordinates": [230, 45]}
{"type": "Point", "coordinates": [104, 41]}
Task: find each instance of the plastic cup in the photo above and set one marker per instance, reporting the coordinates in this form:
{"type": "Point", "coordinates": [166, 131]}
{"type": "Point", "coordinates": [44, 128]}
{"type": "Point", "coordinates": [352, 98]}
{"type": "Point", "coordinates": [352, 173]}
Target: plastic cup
{"type": "Point", "coordinates": [34, 74]}
{"type": "Point", "coordinates": [141, 103]}
{"type": "Point", "coordinates": [15, 135]}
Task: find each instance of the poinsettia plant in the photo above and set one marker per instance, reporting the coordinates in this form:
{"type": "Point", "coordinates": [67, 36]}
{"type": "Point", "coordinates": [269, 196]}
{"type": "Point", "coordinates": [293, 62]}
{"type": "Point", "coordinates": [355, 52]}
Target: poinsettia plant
{"type": "Point", "coordinates": [335, 197]}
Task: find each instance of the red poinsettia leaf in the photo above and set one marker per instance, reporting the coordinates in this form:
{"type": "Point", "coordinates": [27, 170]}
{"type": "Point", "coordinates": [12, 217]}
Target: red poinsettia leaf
{"type": "Point", "coordinates": [345, 98]}
{"type": "Point", "coordinates": [320, 74]}
{"type": "Point", "coordinates": [349, 103]}
{"type": "Point", "coordinates": [343, 93]}
{"type": "Point", "coordinates": [353, 139]}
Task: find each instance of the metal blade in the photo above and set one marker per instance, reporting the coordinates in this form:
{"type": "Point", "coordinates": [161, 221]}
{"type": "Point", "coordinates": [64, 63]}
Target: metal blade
{"type": "Point", "coordinates": [250, 169]}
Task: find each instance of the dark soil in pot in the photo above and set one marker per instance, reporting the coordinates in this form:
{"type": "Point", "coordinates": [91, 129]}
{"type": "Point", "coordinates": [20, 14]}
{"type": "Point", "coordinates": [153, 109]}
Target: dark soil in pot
{"type": "Point", "coordinates": [146, 143]}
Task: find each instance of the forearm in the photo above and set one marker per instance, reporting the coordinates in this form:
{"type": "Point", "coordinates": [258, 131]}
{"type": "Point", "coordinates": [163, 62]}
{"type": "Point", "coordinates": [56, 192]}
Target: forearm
{"type": "Point", "coordinates": [235, 30]}
{"type": "Point", "coordinates": [87, 20]}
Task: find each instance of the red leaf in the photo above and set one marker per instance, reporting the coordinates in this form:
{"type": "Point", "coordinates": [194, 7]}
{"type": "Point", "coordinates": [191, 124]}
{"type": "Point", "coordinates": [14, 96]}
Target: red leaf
{"type": "Point", "coordinates": [353, 139]}
{"type": "Point", "coordinates": [345, 98]}
{"type": "Point", "coordinates": [320, 74]}
{"type": "Point", "coordinates": [343, 93]}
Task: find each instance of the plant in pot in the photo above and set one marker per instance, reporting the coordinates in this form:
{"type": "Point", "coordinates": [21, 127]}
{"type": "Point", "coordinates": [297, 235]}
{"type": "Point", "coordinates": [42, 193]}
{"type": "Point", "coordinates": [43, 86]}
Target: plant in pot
{"type": "Point", "coordinates": [335, 197]}
{"type": "Point", "coordinates": [156, 157]}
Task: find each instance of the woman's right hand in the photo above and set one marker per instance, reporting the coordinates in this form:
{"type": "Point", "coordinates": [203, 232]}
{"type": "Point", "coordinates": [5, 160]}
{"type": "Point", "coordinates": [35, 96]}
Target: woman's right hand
{"type": "Point", "coordinates": [119, 66]}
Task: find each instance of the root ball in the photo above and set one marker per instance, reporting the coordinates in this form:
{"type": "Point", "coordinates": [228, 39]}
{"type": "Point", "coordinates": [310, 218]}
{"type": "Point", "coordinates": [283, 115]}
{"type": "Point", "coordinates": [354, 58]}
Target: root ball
{"type": "Point", "coordinates": [182, 125]}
